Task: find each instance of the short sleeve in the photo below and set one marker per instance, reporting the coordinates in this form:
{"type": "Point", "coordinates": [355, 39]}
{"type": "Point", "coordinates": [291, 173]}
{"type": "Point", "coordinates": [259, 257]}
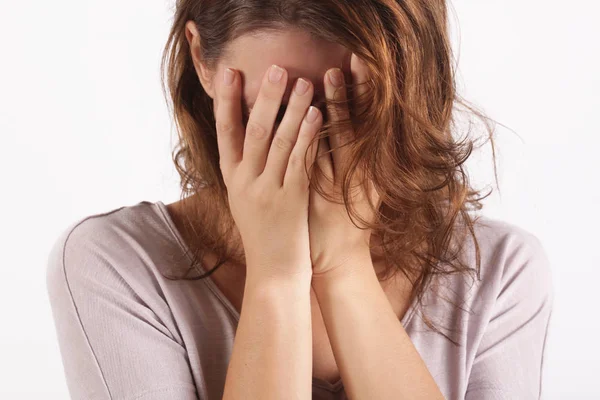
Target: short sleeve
{"type": "Point", "coordinates": [510, 357]}
{"type": "Point", "coordinates": [113, 345]}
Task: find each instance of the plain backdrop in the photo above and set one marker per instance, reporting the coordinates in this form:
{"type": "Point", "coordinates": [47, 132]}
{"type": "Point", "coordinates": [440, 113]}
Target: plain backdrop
{"type": "Point", "coordinates": [85, 129]}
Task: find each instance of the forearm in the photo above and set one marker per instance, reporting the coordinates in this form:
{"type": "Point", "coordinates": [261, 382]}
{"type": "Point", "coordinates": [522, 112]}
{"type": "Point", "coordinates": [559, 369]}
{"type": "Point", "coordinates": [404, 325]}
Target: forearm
{"type": "Point", "coordinates": [374, 354]}
{"type": "Point", "coordinates": [272, 352]}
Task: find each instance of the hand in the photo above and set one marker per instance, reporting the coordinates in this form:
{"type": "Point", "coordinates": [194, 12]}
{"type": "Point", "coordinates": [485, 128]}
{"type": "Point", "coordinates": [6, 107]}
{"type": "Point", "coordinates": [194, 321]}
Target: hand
{"type": "Point", "coordinates": [334, 239]}
{"type": "Point", "coordinates": [267, 183]}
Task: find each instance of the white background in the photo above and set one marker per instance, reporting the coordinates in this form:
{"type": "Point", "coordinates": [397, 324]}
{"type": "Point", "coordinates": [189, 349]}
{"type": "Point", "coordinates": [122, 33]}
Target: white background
{"type": "Point", "coordinates": [85, 129]}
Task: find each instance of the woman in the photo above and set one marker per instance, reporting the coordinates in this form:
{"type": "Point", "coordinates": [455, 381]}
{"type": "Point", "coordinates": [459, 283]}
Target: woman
{"type": "Point", "coordinates": [326, 209]}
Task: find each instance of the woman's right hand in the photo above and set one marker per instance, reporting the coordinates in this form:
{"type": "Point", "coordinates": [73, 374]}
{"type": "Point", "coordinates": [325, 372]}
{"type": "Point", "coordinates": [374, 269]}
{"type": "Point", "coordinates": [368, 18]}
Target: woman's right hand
{"type": "Point", "coordinates": [267, 185]}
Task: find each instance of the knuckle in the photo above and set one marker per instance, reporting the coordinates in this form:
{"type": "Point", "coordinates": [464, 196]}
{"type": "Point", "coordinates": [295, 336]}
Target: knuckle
{"type": "Point", "coordinates": [282, 143]}
{"type": "Point", "coordinates": [261, 197]}
{"type": "Point", "coordinates": [256, 130]}
{"type": "Point", "coordinates": [296, 161]}
{"type": "Point", "coordinates": [224, 126]}
{"type": "Point", "coordinates": [263, 201]}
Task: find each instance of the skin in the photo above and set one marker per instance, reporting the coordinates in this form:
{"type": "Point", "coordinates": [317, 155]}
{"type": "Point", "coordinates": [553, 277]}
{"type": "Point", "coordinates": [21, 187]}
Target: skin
{"type": "Point", "coordinates": [301, 56]}
{"type": "Point", "coordinates": [295, 51]}
{"type": "Point", "coordinates": [359, 316]}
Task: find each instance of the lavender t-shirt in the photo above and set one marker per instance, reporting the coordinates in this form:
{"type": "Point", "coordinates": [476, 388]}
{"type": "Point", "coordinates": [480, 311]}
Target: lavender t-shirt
{"type": "Point", "coordinates": [127, 333]}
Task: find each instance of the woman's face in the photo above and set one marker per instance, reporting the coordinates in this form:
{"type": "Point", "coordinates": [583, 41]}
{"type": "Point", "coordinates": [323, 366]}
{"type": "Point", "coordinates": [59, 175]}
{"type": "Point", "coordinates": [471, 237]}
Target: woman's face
{"type": "Point", "coordinates": [301, 55]}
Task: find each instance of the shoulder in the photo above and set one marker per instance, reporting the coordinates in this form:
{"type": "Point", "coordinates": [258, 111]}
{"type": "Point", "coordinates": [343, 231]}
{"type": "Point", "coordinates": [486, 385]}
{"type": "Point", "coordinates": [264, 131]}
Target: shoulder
{"type": "Point", "coordinates": [514, 267]}
{"type": "Point", "coordinates": [109, 246]}
{"type": "Point", "coordinates": [106, 297]}
{"type": "Point", "coordinates": [497, 232]}
{"type": "Point", "coordinates": [133, 219]}
{"type": "Point", "coordinates": [509, 250]}
{"type": "Point", "coordinates": [514, 281]}
{"type": "Point", "coordinates": [104, 228]}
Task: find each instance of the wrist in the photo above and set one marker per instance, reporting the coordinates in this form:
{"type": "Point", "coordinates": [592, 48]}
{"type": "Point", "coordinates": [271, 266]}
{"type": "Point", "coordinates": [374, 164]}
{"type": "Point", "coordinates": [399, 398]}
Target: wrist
{"type": "Point", "coordinates": [278, 298]}
{"type": "Point", "coordinates": [351, 268]}
{"type": "Point", "coordinates": [273, 283]}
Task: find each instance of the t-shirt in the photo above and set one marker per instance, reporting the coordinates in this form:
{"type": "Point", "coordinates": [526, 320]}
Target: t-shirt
{"type": "Point", "coordinates": [126, 332]}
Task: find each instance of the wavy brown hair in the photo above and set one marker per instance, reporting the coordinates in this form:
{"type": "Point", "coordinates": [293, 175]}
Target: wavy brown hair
{"type": "Point", "coordinates": [404, 127]}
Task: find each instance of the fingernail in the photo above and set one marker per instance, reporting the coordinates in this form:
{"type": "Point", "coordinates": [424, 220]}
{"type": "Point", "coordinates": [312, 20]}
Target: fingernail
{"type": "Point", "coordinates": [312, 114]}
{"type": "Point", "coordinates": [335, 77]}
{"type": "Point", "coordinates": [228, 77]}
{"type": "Point", "coordinates": [275, 74]}
{"type": "Point", "coordinates": [301, 86]}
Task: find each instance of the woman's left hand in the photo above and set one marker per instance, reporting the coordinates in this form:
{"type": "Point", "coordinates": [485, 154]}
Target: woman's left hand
{"type": "Point", "coordinates": [334, 239]}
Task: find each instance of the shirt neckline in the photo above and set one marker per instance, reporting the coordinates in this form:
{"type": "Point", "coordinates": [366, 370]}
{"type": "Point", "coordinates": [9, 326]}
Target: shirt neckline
{"type": "Point", "coordinates": [183, 246]}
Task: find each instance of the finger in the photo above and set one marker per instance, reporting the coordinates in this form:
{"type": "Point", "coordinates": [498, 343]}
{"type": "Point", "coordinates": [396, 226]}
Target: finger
{"type": "Point", "coordinates": [335, 90]}
{"type": "Point", "coordinates": [230, 130]}
{"type": "Point", "coordinates": [287, 132]}
{"type": "Point", "coordinates": [295, 174]}
{"type": "Point", "coordinates": [323, 159]}
{"type": "Point", "coordinates": [261, 120]}
{"type": "Point", "coordinates": [360, 76]}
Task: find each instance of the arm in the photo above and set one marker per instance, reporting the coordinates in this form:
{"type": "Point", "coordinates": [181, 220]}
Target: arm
{"type": "Point", "coordinates": [272, 352]}
{"type": "Point", "coordinates": [110, 339]}
{"type": "Point", "coordinates": [376, 358]}
{"type": "Point", "coordinates": [375, 355]}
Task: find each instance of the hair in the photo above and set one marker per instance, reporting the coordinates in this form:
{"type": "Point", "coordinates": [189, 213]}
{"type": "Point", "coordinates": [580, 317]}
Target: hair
{"type": "Point", "coordinates": [403, 127]}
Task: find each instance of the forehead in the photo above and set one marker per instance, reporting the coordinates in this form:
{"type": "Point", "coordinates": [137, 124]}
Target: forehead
{"type": "Point", "coordinates": [296, 51]}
